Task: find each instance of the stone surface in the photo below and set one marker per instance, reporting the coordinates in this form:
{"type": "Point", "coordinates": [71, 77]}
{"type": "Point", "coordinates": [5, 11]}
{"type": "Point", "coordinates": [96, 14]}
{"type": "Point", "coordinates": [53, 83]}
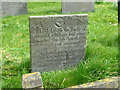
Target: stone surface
{"type": "Point", "coordinates": [104, 83]}
{"type": "Point", "coordinates": [13, 8]}
{"type": "Point", "coordinates": [76, 6]}
{"type": "Point", "coordinates": [32, 80]}
{"type": "Point", "coordinates": [119, 11]}
{"type": "Point", "coordinates": [0, 8]}
{"type": "Point", "coordinates": [57, 41]}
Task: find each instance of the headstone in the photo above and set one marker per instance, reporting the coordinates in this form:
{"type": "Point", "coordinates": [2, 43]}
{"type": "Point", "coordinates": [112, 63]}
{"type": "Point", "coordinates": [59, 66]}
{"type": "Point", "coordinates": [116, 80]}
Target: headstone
{"type": "Point", "coordinates": [13, 8]}
{"type": "Point", "coordinates": [32, 80]}
{"type": "Point", "coordinates": [119, 11]}
{"type": "Point", "coordinates": [74, 6]}
{"type": "Point", "coordinates": [0, 8]}
{"type": "Point", "coordinates": [57, 41]}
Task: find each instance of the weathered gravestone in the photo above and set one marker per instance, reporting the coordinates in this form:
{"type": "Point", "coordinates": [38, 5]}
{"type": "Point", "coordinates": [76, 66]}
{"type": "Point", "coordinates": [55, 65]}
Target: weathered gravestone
{"type": "Point", "coordinates": [73, 6]}
{"type": "Point", "coordinates": [13, 8]}
{"type": "Point", "coordinates": [57, 41]}
{"type": "Point", "coordinates": [0, 8]}
{"type": "Point", "coordinates": [32, 80]}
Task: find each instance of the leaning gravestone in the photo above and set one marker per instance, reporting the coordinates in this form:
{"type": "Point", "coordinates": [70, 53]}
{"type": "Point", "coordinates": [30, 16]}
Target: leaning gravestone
{"type": "Point", "coordinates": [57, 41]}
{"type": "Point", "coordinates": [74, 6]}
{"type": "Point", "coordinates": [13, 8]}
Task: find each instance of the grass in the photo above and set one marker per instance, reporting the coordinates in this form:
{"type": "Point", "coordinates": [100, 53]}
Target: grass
{"type": "Point", "coordinates": [101, 48]}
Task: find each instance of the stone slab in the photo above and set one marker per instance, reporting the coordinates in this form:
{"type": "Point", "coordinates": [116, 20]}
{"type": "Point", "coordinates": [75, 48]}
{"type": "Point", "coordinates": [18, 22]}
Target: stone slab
{"type": "Point", "coordinates": [112, 82]}
{"type": "Point", "coordinates": [74, 6]}
{"type": "Point", "coordinates": [0, 8]}
{"type": "Point", "coordinates": [13, 8]}
{"type": "Point", "coordinates": [119, 12]}
{"type": "Point", "coordinates": [57, 41]}
{"type": "Point", "coordinates": [32, 80]}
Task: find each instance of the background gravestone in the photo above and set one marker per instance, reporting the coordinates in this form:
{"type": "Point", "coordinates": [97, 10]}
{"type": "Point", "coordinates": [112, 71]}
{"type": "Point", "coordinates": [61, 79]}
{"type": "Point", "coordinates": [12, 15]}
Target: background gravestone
{"type": "Point", "coordinates": [13, 8]}
{"type": "Point", "coordinates": [73, 6]}
{"type": "Point", "coordinates": [0, 8]}
{"type": "Point", "coordinates": [119, 11]}
{"type": "Point", "coordinates": [57, 41]}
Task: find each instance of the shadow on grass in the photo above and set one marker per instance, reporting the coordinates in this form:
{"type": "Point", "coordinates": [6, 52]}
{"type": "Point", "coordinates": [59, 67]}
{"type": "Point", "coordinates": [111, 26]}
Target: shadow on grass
{"type": "Point", "coordinates": [14, 68]}
{"type": "Point", "coordinates": [11, 77]}
{"type": "Point", "coordinates": [46, 12]}
{"type": "Point", "coordinates": [109, 42]}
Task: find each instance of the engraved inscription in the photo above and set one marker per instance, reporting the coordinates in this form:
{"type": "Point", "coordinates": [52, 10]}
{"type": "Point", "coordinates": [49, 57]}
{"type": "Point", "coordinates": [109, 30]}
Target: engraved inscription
{"type": "Point", "coordinates": [57, 41]}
